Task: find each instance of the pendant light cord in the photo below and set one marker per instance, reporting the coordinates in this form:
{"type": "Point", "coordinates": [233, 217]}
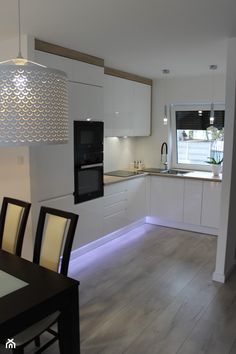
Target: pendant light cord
{"type": "Point", "coordinates": [19, 32]}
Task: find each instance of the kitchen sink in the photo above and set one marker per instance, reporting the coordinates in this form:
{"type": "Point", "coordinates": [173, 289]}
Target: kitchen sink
{"type": "Point", "coordinates": [169, 171]}
{"type": "Point", "coordinates": [174, 172]}
{"type": "Point", "coordinates": [153, 170]}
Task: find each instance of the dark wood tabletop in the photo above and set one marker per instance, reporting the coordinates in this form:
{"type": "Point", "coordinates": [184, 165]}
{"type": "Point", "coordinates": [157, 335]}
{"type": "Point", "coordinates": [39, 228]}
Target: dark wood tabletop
{"type": "Point", "coordinates": [46, 292]}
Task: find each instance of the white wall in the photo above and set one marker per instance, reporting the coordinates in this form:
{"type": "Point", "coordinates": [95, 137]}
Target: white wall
{"type": "Point", "coordinates": [15, 183]}
{"type": "Point", "coordinates": [226, 244]}
{"type": "Point", "coordinates": [174, 90]}
{"type": "Point", "coordinates": [9, 48]}
{"type": "Point", "coordinates": [14, 161]}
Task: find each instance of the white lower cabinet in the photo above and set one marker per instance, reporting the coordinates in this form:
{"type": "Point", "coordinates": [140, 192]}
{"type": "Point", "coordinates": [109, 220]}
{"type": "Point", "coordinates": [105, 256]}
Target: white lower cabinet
{"type": "Point", "coordinates": [211, 204]}
{"type": "Point", "coordinates": [185, 203]}
{"type": "Point", "coordinates": [192, 202]}
{"type": "Point", "coordinates": [115, 207]}
{"type": "Point", "coordinates": [137, 199]}
{"type": "Point", "coordinates": [90, 225]}
{"type": "Point", "coordinates": [167, 198]}
{"type": "Point", "coordinates": [177, 202]}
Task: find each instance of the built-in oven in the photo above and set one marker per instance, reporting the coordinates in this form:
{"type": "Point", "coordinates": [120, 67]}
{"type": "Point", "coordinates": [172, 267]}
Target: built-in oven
{"type": "Point", "coordinates": [88, 160]}
{"type": "Point", "coordinates": [88, 183]}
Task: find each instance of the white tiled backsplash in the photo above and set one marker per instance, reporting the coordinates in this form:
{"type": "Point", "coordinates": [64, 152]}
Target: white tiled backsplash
{"type": "Point", "coordinates": [118, 153]}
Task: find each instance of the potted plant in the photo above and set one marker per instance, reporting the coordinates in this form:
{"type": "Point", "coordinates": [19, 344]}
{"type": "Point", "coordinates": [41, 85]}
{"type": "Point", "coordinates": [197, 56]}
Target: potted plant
{"type": "Point", "coordinates": [215, 165]}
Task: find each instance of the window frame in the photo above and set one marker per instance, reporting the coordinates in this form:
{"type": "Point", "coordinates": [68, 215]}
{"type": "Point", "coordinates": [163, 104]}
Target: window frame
{"type": "Point", "coordinates": [172, 132]}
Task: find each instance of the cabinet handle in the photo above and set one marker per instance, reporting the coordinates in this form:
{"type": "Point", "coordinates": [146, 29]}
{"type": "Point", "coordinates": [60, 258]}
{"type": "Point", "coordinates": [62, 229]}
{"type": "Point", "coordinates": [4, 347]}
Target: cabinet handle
{"type": "Point", "coordinates": [91, 166]}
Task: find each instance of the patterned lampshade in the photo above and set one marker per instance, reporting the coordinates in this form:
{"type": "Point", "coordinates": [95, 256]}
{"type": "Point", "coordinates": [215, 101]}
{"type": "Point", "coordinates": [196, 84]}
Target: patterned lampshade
{"type": "Point", "coordinates": [33, 104]}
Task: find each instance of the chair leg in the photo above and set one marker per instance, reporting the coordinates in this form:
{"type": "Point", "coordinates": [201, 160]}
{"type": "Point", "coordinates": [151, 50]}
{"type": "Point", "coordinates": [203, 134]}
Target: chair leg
{"type": "Point", "coordinates": [37, 341]}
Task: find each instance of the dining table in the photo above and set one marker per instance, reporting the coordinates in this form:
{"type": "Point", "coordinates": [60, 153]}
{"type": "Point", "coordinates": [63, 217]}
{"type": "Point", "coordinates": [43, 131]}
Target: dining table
{"type": "Point", "coordinates": [29, 293]}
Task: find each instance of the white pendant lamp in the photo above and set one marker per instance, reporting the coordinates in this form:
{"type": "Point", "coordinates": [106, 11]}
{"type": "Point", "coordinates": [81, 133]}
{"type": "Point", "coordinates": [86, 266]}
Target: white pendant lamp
{"type": "Point", "coordinates": [165, 118]}
{"type": "Point", "coordinates": [33, 102]}
{"type": "Point", "coordinates": [212, 116]}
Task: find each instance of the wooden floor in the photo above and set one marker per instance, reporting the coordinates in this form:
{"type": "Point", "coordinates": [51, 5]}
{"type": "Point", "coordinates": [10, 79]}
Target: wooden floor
{"type": "Point", "coordinates": [151, 292]}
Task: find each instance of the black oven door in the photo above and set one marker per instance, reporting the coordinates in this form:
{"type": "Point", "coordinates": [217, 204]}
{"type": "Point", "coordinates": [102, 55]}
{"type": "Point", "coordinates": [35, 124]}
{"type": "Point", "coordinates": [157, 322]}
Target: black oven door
{"type": "Point", "coordinates": [88, 182]}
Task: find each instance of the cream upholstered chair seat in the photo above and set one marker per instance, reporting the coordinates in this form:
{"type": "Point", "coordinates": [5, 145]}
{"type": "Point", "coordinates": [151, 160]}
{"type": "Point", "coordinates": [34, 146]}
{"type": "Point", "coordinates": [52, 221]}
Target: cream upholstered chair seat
{"type": "Point", "coordinates": [54, 237]}
{"type": "Point", "coordinates": [13, 219]}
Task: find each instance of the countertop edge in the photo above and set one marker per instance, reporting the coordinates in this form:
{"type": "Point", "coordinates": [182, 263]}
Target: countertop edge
{"type": "Point", "coordinates": [108, 180]}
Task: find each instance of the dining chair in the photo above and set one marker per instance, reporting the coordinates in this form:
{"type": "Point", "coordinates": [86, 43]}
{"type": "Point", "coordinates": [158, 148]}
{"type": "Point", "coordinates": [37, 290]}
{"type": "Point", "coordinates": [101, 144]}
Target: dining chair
{"type": "Point", "coordinates": [53, 243]}
{"type": "Point", "coordinates": [13, 219]}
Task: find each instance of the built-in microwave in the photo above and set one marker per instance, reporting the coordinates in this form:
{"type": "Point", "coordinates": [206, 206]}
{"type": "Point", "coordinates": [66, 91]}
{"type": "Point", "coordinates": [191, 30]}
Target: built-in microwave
{"type": "Point", "coordinates": [88, 160]}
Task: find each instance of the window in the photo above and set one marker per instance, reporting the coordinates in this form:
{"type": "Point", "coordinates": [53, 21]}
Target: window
{"type": "Point", "coordinates": [193, 138]}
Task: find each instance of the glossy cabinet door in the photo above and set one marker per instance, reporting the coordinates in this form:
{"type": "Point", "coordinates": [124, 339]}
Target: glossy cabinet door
{"type": "Point", "coordinates": [90, 225]}
{"type": "Point", "coordinates": [115, 207]}
{"type": "Point", "coordinates": [123, 114]}
{"type": "Point", "coordinates": [211, 204]}
{"type": "Point", "coordinates": [192, 201]}
{"type": "Point", "coordinates": [55, 62]}
{"type": "Point", "coordinates": [76, 71]}
{"type": "Point", "coordinates": [127, 107]}
{"type": "Point", "coordinates": [141, 109]}
{"type": "Point", "coordinates": [85, 102]}
{"type": "Point", "coordinates": [137, 199]}
{"type": "Point", "coordinates": [167, 198]}
{"type": "Point", "coordinates": [118, 94]}
{"type": "Point", "coordinates": [87, 73]}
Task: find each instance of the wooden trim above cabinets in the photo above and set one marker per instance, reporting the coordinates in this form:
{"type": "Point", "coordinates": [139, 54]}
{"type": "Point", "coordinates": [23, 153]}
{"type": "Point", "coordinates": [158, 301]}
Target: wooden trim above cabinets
{"type": "Point", "coordinates": [67, 53]}
{"type": "Point", "coordinates": [128, 76]}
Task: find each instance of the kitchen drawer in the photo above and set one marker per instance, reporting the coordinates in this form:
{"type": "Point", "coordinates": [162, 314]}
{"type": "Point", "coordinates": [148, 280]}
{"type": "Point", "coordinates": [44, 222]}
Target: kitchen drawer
{"type": "Point", "coordinates": [115, 222]}
{"type": "Point", "coordinates": [115, 188]}
{"type": "Point", "coordinates": [115, 198]}
{"type": "Point", "coordinates": [115, 208]}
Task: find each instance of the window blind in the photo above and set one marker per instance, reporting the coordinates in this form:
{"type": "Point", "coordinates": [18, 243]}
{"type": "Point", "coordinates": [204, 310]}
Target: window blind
{"type": "Point", "coordinates": [192, 120]}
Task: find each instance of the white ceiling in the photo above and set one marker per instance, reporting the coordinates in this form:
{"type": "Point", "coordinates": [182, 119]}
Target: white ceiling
{"type": "Point", "coordinates": [139, 36]}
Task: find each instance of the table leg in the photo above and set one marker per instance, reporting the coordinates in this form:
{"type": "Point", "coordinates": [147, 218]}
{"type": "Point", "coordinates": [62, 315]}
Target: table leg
{"type": "Point", "coordinates": [68, 325]}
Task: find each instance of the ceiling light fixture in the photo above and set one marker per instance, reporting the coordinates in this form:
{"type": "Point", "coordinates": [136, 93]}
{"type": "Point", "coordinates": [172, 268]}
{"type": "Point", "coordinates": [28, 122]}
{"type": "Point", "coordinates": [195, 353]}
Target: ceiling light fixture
{"type": "Point", "coordinates": [33, 102]}
{"type": "Point", "coordinates": [165, 118]}
{"type": "Point", "coordinates": [212, 116]}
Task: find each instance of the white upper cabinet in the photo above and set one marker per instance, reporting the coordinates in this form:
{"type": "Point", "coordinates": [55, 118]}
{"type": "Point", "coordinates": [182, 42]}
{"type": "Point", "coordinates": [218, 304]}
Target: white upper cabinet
{"type": "Point", "coordinates": [85, 102]}
{"type": "Point", "coordinates": [117, 106]}
{"type": "Point", "coordinates": [77, 71]}
{"type": "Point", "coordinates": [55, 62]}
{"type": "Point", "coordinates": [141, 109]}
{"type": "Point", "coordinates": [87, 73]}
{"type": "Point", "coordinates": [127, 107]}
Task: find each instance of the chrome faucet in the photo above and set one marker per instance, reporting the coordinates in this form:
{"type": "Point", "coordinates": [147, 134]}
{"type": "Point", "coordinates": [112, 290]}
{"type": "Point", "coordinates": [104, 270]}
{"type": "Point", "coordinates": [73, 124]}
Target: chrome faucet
{"type": "Point", "coordinates": [164, 155]}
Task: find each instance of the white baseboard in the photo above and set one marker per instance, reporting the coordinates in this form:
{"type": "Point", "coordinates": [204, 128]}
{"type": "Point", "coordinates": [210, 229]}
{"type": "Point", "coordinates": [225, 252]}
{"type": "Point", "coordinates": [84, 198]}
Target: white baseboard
{"type": "Point", "coordinates": [218, 277]}
{"type": "Point", "coordinates": [107, 238]}
{"type": "Point", "coordinates": [182, 226]}
{"type": "Point", "coordinates": [222, 278]}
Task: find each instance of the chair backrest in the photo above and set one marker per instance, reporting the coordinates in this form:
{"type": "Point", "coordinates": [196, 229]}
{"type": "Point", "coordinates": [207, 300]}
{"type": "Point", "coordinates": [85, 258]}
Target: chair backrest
{"type": "Point", "coordinates": [54, 237]}
{"type": "Point", "coordinates": [13, 219]}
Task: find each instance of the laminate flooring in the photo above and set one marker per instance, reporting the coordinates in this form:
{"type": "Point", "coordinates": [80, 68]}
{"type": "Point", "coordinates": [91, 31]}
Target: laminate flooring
{"type": "Point", "coordinates": [151, 291]}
